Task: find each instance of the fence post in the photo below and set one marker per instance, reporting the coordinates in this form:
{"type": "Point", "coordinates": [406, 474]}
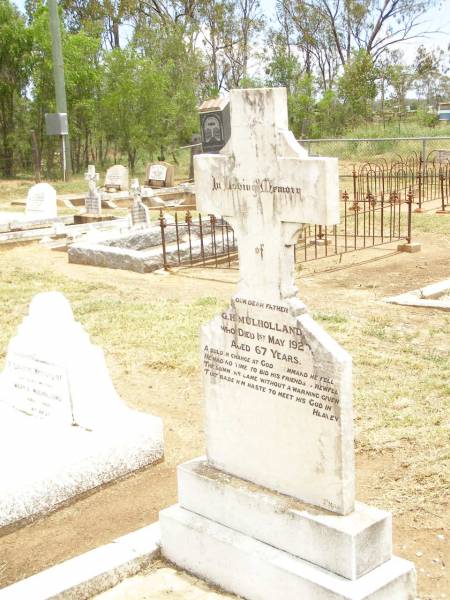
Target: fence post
{"type": "Point", "coordinates": [410, 201]}
{"type": "Point", "coordinates": [424, 159]}
{"type": "Point", "coordinates": [162, 224]}
{"type": "Point", "coordinates": [441, 181]}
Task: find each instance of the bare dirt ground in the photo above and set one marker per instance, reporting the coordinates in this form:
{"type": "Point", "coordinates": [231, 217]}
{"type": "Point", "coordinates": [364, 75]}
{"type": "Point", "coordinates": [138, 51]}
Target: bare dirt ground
{"type": "Point", "coordinates": [419, 532]}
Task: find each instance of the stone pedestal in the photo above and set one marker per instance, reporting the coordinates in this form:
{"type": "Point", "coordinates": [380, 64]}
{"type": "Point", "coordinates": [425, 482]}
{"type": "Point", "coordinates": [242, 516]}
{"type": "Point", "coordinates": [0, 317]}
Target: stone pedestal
{"type": "Point", "coordinates": [263, 545]}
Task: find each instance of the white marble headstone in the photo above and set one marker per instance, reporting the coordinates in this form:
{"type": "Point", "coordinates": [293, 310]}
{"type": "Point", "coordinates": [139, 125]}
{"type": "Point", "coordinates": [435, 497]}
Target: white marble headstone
{"type": "Point", "coordinates": [54, 372]}
{"type": "Point", "coordinates": [278, 392]}
{"type": "Point", "coordinates": [41, 202]}
{"type": "Point", "coordinates": [117, 178]}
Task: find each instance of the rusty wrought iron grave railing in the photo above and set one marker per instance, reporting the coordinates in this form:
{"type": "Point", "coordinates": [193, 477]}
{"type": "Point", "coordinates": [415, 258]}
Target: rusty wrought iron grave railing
{"type": "Point", "coordinates": [366, 221]}
{"type": "Point", "coordinates": [429, 178]}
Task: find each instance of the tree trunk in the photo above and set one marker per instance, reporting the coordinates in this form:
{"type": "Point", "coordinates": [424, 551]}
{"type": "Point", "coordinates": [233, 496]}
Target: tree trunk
{"type": "Point", "coordinates": [36, 157]}
{"type": "Point", "coordinates": [115, 32]}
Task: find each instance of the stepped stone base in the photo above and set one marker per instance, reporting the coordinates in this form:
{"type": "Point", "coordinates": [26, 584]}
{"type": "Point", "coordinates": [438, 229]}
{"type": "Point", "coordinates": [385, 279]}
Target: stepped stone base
{"type": "Point", "coordinates": [263, 545]}
{"type": "Point", "coordinates": [257, 571]}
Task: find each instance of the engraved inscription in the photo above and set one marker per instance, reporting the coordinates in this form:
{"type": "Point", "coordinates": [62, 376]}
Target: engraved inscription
{"type": "Point", "coordinates": [265, 351]}
{"type": "Point", "coordinates": [38, 388]}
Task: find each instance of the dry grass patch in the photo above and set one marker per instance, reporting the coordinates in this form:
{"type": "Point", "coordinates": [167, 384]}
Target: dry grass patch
{"type": "Point", "coordinates": [401, 366]}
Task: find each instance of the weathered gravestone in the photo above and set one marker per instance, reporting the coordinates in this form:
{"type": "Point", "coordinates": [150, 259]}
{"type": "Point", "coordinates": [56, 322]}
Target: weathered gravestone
{"type": "Point", "coordinates": [93, 200]}
{"type": "Point", "coordinates": [116, 179]}
{"type": "Point", "coordinates": [140, 215]}
{"type": "Point", "coordinates": [160, 174]}
{"type": "Point", "coordinates": [63, 426]}
{"type": "Point", "coordinates": [41, 202]}
{"type": "Point", "coordinates": [270, 513]}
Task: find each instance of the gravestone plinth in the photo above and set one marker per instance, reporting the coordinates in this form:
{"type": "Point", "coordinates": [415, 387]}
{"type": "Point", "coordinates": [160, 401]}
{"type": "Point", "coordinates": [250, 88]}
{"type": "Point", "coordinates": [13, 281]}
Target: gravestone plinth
{"type": "Point", "coordinates": [63, 426]}
{"type": "Point", "coordinates": [270, 513]}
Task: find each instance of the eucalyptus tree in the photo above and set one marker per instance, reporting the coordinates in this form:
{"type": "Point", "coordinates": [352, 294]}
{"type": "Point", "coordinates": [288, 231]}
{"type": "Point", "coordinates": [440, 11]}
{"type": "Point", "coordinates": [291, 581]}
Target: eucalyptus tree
{"type": "Point", "coordinates": [15, 65]}
{"type": "Point", "coordinates": [372, 25]}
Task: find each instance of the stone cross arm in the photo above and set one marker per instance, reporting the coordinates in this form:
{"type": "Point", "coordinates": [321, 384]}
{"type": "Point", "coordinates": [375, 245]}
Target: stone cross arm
{"type": "Point", "coordinates": [293, 186]}
{"type": "Point", "coordinates": [265, 184]}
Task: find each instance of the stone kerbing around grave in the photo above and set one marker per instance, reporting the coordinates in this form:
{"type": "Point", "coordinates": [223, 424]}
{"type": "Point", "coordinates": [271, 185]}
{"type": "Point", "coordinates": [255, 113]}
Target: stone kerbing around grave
{"type": "Point", "coordinates": [436, 295]}
{"type": "Point", "coordinates": [56, 393]}
{"type": "Point", "coordinates": [140, 251]}
{"type": "Point", "coordinates": [271, 513]}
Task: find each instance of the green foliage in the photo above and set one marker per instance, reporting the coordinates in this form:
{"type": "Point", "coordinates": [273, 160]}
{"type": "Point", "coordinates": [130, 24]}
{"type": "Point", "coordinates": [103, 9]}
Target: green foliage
{"type": "Point", "coordinates": [300, 105]}
{"type": "Point", "coordinates": [15, 51]}
{"type": "Point", "coordinates": [426, 118]}
{"type": "Point", "coordinates": [146, 108]}
{"type": "Point", "coordinates": [135, 99]}
{"type": "Point", "coordinates": [357, 86]}
{"type": "Point", "coordinates": [330, 116]}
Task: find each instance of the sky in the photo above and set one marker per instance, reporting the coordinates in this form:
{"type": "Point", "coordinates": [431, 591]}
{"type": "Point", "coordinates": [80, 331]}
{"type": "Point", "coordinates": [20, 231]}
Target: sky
{"type": "Point", "coordinates": [437, 19]}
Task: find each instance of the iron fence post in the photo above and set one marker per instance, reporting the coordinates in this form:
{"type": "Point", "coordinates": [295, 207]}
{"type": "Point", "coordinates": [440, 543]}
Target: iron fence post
{"type": "Point", "coordinates": [410, 201]}
{"type": "Point", "coordinates": [162, 224]}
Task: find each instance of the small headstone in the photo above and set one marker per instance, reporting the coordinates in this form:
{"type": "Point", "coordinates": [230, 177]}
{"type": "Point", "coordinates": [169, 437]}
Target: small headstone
{"type": "Point", "coordinates": [41, 202]}
{"type": "Point", "coordinates": [140, 215]}
{"type": "Point", "coordinates": [116, 178]}
{"type": "Point", "coordinates": [53, 371]}
{"type": "Point", "coordinates": [271, 512]}
{"type": "Point", "coordinates": [93, 200]}
{"type": "Point", "coordinates": [160, 174]}
{"type": "Point", "coordinates": [63, 426]}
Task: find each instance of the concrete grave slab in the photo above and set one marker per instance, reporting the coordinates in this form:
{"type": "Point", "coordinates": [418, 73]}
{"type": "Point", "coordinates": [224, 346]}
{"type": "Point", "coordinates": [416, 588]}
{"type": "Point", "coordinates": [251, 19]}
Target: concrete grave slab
{"type": "Point", "coordinates": [91, 573]}
{"type": "Point", "coordinates": [436, 295]}
{"type": "Point", "coordinates": [139, 251]}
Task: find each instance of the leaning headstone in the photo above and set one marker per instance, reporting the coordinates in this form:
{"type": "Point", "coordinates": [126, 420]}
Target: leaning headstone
{"type": "Point", "coordinates": [116, 179]}
{"type": "Point", "coordinates": [160, 174]}
{"type": "Point", "coordinates": [57, 395]}
{"type": "Point", "coordinates": [41, 202]}
{"type": "Point", "coordinates": [93, 200]}
{"type": "Point", "coordinates": [270, 513]}
{"type": "Point", "coordinates": [140, 215]}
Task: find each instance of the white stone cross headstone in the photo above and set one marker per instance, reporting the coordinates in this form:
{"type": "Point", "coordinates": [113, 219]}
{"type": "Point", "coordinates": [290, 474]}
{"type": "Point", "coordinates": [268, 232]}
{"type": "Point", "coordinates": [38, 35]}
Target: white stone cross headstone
{"type": "Point", "coordinates": [140, 215]}
{"type": "Point", "coordinates": [278, 397]}
{"type": "Point", "coordinates": [41, 202]}
{"type": "Point", "coordinates": [277, 386]}
{"type": "Point", "coordinates": [266, 186]}
{"type": "Point", "coordinates": [93, 200]}
{"type": "Point", "coordinates": [92, 178]}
